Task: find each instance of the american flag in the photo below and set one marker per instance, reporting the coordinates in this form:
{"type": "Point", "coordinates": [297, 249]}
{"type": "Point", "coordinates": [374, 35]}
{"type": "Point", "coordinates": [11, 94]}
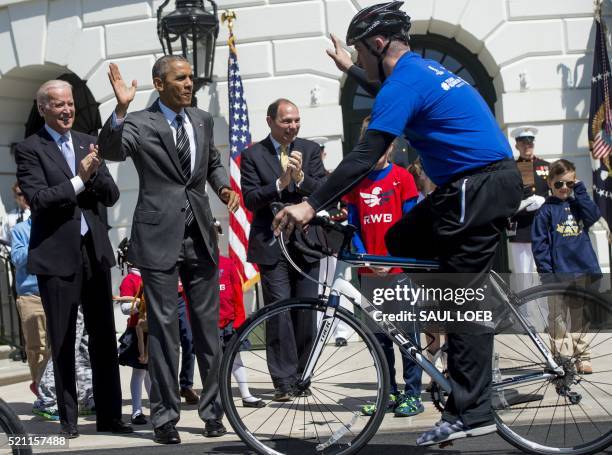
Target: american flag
{"type": "Point", "coordinates": [239, 139]}
{"type": "Point", "coordinates": [600, 120]}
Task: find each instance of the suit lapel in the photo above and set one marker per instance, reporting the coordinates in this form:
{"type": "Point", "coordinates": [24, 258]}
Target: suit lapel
{"type": "Point", "coordinates": [198, 131]}
{"type": "Point", "coordinates": [270, 156]}
{"type": "Point", "coordinates": [165, 133]}
{"type": "Point", "coordinates": [57, 157]}
{"type": "Point", "coordinates": [80, 150]}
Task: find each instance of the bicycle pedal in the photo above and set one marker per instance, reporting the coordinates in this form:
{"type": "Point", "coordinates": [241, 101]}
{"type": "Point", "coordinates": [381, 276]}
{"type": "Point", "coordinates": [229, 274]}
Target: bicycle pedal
{"type": "Point", "coordinates": [445, 444]}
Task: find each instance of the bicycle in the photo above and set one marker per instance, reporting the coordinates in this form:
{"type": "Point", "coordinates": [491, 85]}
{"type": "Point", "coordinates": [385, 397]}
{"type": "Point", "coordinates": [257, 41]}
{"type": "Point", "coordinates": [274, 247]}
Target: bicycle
{"type": "Point", "coordinates": [530, 382]}
{"type": "Point", "coordinates": [11, 426]}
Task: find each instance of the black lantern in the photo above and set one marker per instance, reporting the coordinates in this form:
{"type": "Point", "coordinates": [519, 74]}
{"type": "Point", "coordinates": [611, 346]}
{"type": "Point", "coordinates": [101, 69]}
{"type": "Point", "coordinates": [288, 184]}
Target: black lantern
{"type": "Point", "coordinates": [191, 31]}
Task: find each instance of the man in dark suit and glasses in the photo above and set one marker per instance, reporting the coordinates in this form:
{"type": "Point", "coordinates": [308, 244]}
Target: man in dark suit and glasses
{"type": "Point", "coordinates": [281, 168]}
{"type": "Point", "coordinates": [172, 147]}
{"type": "Point", "coordinates": [68, 188]}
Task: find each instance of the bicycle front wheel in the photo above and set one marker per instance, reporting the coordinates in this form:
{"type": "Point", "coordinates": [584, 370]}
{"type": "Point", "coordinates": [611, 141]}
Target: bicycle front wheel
{"type": "Point", "coordinates": [538, 410]}
{"type": "Point", "coordinates": [324, 415]}
{"type": "Point", "coordinates": [10, 425]}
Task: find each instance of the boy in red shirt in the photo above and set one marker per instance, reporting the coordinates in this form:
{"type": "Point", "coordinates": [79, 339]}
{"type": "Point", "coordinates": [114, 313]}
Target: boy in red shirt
{"type": "Point", "coordinates": [231, 316]}
{"type": "Point", "coordinates": [374, 205]}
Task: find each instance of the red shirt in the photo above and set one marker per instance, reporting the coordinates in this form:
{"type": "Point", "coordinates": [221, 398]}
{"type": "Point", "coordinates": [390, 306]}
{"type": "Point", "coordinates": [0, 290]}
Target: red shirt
{"type": "Point", "coordinates": [129, 287]}
{"type": "Point", "coordinates": [231, 303]}
{"type": "Point", "coordinates": [377, 203]}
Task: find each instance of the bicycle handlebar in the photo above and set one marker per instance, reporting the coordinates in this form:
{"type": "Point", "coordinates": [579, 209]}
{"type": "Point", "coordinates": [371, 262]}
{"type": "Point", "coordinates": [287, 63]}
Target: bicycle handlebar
{"type": "Point", "coordinates": [317, 250]}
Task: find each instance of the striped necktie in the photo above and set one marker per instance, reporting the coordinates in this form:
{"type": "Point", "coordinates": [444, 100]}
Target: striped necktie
{"type": "Point", "coordinates": [183, 149]}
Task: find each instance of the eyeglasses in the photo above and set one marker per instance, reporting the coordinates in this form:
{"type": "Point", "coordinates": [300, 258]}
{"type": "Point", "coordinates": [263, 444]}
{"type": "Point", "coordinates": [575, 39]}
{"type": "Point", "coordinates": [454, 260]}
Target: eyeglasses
{"type": "Point", "coordinates": [559, 184]}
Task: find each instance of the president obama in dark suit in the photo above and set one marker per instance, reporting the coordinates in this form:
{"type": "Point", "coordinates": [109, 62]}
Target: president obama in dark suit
{"type": "Point", "coordinates": [281, 168]}
{"type": "Point", "coordinates": [173, 234]}
{"type": "Point", "coordinates": [68, 189]}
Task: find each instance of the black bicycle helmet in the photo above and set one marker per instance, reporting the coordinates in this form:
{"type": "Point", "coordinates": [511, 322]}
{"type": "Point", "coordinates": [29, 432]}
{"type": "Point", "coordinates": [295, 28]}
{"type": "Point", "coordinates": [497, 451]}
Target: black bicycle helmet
{"type": "Point", "coordinates": [382, 19]}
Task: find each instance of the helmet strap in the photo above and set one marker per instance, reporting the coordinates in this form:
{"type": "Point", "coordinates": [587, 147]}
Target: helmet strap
{"type": "Point", "coordinates": [380, 56]}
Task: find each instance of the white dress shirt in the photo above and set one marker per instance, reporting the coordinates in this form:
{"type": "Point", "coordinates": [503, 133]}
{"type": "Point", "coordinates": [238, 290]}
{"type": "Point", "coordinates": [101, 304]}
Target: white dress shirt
{"type": "Point", "coordinates": [77, 182]}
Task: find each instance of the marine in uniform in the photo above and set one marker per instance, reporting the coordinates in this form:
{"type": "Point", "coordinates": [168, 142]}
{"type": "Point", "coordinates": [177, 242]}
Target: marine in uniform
{"type": "Point", "coordinates": [534, 172]}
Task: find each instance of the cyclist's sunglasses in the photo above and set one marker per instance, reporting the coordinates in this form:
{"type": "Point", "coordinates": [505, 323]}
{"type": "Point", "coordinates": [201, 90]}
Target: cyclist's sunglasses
{"type": "Point", "coordinates": [559, 184]}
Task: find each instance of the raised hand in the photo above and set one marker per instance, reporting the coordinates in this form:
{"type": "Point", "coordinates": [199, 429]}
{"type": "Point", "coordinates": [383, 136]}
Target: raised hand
{"type": "Point", "coordinates": [341, 58]}
{"type": "Point", "coordinates": [123, 93]}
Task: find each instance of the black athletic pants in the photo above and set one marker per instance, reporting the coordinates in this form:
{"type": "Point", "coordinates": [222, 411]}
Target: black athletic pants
{"type": "Point", "coordinates": [460, 224]}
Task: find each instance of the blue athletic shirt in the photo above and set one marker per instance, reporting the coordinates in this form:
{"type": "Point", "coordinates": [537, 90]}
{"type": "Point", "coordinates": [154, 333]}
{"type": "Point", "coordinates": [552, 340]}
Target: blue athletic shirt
{"type": "Point", "coordinates": [444, 118]}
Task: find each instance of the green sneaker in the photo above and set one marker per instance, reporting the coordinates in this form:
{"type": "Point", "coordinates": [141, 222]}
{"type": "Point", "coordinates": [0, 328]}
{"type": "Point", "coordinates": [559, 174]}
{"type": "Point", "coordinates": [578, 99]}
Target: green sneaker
{"type": "Point", "coordinates": [409, 406]}
{"type": "Point", "coordinates": [370, 409]}
{"type": "Point", "coordinates": [51, 413]}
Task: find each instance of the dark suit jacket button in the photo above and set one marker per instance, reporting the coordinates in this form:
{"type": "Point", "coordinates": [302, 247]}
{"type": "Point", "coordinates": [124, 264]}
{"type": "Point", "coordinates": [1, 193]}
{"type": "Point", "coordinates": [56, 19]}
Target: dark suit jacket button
{"type": "Point", "coordinates": [183, 209]}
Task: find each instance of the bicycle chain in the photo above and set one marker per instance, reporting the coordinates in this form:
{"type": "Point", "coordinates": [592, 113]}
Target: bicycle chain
{"type": "Point", "coordinates": [522, 367]}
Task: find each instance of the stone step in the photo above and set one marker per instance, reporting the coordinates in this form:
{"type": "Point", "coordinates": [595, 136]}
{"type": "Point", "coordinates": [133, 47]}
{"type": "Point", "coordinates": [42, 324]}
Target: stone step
{"type": "Point", "coordinates": [12, 372]}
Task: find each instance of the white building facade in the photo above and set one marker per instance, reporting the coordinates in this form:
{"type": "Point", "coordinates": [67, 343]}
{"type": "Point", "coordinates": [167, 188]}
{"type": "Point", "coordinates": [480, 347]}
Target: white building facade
{"type": "Point", "coordinates": [534, 56]}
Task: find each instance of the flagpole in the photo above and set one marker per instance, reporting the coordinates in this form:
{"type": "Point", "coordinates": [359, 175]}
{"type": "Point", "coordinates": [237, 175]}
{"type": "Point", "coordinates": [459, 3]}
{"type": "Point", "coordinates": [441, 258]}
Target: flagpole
{"type": "Point", "coordinates": [229, 16]}
{"type": "Point", "coordinates": [597, 7]}
{"type": "Point", "coordinates": [239, 140]}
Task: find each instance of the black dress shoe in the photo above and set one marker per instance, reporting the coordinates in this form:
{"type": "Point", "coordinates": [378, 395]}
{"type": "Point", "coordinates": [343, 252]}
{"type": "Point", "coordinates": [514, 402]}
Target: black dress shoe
{"type": "Point", "coordinates": [167, 434]}
{"type": "Point", "coordinates": [139, 419]}
{"type": "Point", "coordinates": [302, 393]}
{"type": "Point", "coordinates": [341, 342]}
{"type": "Point", "coordinates": [69, 431]}
{"type": "Point", "coordinates": [114, 426]}
{"type": "Point", "coordinates": [254, 404]}
{"type": "Point", "coordinates": [214, 428]}
{"type": "Point", "coordinates": [282, 395]}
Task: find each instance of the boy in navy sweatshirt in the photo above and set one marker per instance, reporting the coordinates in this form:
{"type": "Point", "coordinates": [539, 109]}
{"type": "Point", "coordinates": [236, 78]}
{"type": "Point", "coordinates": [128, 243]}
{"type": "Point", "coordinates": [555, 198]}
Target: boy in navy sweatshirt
{"type": "Point", "coordinates": [563, 251]}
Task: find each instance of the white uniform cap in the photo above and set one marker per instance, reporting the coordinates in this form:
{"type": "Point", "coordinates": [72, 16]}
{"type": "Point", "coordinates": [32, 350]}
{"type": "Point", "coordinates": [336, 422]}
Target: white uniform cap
{"type": "Point", "coordinates": [524, 131]}
{"type": "Point", "coordinates": [321, 140]}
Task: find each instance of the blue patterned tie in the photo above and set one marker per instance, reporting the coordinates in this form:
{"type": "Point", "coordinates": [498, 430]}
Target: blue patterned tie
{"type": "Point", "coordinates": [183, 149]}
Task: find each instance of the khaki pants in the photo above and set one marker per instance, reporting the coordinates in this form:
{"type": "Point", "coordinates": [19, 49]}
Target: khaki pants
{"type": "Point", "coordinates": [34, 327]}
{"type": "Point", "coordinates": [568, 324]}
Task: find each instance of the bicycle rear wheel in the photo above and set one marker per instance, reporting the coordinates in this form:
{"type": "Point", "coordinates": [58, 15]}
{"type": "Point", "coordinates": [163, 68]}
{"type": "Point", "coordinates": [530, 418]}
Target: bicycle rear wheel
{"type": "Point", "coordinates": [320, 417]}
{"type": "Point", "coordinates": [562, 414]}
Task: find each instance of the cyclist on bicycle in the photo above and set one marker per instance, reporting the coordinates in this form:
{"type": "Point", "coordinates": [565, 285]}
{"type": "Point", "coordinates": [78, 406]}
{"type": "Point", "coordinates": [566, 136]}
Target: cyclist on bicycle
{"type": "Point", "coordinates": [478, 186]}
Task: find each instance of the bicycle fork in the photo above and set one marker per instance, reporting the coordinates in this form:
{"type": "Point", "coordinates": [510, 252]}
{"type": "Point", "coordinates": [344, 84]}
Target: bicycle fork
{"type": "Point", "coordinates": [321, 338]}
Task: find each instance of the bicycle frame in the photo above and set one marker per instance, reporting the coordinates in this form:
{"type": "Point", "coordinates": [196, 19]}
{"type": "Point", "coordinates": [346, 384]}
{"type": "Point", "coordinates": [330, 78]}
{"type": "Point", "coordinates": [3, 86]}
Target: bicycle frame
{"type": "Point", "coordinates": [341, 285]}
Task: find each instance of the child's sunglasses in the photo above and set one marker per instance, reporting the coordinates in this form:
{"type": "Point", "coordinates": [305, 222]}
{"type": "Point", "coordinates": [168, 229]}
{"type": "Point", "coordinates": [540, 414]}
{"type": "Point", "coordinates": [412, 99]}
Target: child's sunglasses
{"type": "Point", "coordinates": [559, 184]}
